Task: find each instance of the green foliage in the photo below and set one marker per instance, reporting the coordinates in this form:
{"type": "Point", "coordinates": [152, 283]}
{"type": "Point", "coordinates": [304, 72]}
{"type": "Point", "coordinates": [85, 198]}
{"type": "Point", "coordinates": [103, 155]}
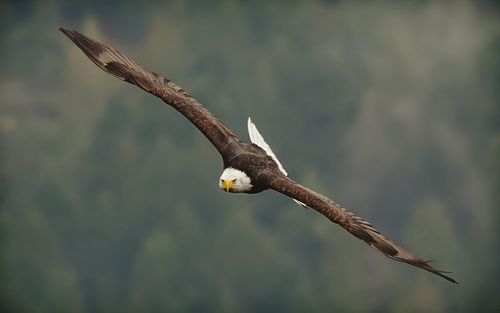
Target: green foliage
{"type": "Point", "coordinates": [109, 198]}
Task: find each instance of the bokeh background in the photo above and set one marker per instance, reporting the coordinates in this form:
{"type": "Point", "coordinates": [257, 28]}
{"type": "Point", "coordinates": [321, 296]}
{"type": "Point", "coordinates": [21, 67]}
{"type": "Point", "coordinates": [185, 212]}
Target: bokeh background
{"type": "Point", "coordinates": [109, 198]}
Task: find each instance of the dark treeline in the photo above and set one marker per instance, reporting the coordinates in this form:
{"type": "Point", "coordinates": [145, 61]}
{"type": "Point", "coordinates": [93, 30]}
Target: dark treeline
{"type": "Point", "coordinates": [109, 199]}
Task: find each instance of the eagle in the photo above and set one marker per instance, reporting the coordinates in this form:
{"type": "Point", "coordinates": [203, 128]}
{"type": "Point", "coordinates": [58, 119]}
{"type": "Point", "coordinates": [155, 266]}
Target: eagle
{"type": "Point", "coordinates": [247, 167]}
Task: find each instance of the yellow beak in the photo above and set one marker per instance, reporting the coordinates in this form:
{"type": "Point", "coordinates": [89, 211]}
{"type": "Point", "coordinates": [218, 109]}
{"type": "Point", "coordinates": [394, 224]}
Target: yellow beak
{"type": "Point", "coordinates": [228, 185]}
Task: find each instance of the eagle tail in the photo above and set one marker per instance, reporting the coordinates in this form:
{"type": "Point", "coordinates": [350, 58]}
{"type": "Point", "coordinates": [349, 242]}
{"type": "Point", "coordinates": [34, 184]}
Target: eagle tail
{"type": "Point", "coordinates": [257, 139]}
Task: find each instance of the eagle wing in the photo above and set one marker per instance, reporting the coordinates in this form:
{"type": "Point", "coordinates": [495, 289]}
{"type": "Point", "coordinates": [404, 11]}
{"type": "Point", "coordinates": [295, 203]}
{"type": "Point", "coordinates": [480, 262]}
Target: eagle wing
{"type": "Point", "coordinates": [352, 223]}
{"type": "Point", "coordinates": [122, 67]}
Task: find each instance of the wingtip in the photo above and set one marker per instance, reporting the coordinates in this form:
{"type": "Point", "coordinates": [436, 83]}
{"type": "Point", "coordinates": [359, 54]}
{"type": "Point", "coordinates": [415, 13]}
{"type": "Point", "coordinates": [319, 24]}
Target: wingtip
{"type": "Point", "coordinates": [64, 30]}
{"type": "Point", "coordinates": [70, 33]}
{"type": "Point", "coordinates": [443, 274]}
{"type": "Point", "coordinates": [448, 278]}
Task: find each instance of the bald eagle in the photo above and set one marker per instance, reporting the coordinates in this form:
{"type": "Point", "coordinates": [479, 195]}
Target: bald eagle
{"type": "Point", "coordinates": [248, 167]}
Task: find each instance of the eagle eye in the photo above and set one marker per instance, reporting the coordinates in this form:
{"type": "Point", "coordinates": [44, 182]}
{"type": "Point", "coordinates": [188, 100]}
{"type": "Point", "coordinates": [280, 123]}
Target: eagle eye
{"type": "Point", "coordinates": [234, 180]}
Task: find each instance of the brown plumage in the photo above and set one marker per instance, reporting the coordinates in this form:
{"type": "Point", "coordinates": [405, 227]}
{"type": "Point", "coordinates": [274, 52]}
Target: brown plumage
{"type": "Point", "coordinates": [251, 159]}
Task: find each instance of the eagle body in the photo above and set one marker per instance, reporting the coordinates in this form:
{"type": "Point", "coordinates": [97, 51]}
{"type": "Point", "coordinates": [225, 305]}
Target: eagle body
{"type": "Point", "coordinates": [248, 167]}
{"type": "Point", "coordinates": [255, 163]}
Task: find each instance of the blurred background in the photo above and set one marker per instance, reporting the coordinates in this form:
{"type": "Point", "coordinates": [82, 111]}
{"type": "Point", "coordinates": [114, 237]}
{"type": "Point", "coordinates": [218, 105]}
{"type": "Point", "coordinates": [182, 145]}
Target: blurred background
{"type": "Point", "coordinates": [109, 199]}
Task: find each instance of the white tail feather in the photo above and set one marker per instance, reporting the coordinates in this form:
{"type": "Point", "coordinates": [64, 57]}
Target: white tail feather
{"type": "Point", "coordinates": [256, 138]}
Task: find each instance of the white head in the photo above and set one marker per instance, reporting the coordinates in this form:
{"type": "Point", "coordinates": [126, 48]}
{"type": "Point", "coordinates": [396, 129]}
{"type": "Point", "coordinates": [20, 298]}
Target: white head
{"type": "Point", "coordinates": [233, 180]}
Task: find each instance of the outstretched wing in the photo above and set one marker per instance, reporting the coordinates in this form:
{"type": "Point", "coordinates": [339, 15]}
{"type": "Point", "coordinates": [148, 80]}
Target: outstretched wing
{"type": "Point", "coordinates": [352, 223]}
{"type": "Point", "coordinates": [122, 67]}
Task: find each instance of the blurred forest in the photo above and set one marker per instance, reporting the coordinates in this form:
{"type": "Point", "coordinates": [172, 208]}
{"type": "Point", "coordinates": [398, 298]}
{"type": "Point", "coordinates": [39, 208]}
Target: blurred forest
{"type": "Point", "coordinates": [109, 199]}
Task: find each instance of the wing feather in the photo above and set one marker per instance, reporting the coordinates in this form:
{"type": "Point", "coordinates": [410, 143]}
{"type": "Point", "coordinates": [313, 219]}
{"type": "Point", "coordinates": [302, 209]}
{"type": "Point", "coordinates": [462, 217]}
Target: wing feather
{"type": "Point", "coordinates": [124, 68]}
{"type": "Point", "coordinates": [352, 223]}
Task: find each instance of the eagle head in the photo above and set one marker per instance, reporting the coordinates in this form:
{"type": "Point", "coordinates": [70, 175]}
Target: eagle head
{"type": "Point", "coordinates": [234, 180]}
